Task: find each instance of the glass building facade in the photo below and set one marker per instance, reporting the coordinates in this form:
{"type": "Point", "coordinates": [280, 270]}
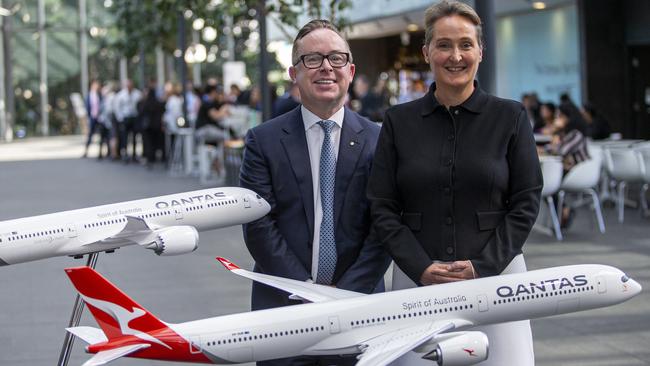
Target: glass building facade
{"type": "Point", "coordinates": [50, 50]}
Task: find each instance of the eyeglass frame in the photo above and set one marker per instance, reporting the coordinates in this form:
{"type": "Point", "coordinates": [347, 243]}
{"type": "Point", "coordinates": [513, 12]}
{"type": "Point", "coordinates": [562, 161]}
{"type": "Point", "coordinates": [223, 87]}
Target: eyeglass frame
{"type": "Point", "coordinates": [302, 59]}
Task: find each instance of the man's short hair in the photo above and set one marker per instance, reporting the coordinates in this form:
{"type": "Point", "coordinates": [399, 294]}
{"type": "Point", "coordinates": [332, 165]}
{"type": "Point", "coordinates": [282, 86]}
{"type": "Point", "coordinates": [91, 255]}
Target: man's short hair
{"type": "Point", "coordinates": [310, 27]}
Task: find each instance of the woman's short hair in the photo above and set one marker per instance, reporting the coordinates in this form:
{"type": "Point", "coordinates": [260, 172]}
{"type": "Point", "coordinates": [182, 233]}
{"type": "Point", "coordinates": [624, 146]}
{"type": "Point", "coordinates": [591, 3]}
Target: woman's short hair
{"type": "Point", "coordinates": [448, 8]}
{"type": "Point", "coordinates": [310, 27]}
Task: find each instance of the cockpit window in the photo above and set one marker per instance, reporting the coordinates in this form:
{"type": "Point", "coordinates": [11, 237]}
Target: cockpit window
{"type": "Point", "coordinates": [624, 278]}
{"type": "Point", "coordinates": [258, 196]}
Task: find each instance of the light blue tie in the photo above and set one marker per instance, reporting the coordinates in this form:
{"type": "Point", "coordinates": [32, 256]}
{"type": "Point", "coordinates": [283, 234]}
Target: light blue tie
{"type": "Point", "coordinates": [327, 247]}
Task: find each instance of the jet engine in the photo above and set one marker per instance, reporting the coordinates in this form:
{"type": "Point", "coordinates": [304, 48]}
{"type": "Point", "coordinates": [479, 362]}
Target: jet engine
{"type": "Point", "coordinates": [174, 240]}
{"type": "Point", "coordinates": [459, 349]}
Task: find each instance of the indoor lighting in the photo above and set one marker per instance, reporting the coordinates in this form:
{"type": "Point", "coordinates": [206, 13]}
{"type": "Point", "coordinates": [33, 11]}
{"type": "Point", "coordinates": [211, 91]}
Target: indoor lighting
{"type": "Point", "coordinates": [539, 5]}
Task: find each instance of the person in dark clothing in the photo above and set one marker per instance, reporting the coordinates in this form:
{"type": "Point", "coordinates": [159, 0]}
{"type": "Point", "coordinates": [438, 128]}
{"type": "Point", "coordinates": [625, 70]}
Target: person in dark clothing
{"type": "Point", "coordinates": [597, 126]}
{"type": "Point", "coordinates": [152, 111]}
{"type": "Point", "coordinates": [288, 101]}
{"type": "Point", "coordinates": [209, 126]}
{"type": "Point", "coordinates": [455, 184]}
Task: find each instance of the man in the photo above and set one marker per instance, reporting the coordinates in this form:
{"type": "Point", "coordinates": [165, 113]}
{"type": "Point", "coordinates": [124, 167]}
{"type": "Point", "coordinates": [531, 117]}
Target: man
{"type": "Point", "coordinates": [126, 113]}
{"type": "Point", "coordinates": [312, 164]}
{"type": "Point", "coordinates": [212, 111]}
{"type": "Point", "coordinates": [287, 101]}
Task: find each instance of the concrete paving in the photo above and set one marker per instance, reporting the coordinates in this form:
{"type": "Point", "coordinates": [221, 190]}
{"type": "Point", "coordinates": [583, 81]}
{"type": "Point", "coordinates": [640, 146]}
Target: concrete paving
{"type": "Point", "coordinates": [36, 298]}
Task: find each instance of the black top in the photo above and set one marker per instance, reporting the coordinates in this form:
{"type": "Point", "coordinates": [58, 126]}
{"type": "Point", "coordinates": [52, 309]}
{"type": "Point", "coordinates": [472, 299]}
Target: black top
{"type": "Point", "coordinates": [203, 117]}
{"type": "Point", "coordinates": [455, 184]}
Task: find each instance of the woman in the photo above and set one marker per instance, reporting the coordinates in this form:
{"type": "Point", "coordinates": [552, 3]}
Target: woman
{"type": "Point", "coordinates": [547, 113]}
{"type": "Point", "coordinates": [456, 182]}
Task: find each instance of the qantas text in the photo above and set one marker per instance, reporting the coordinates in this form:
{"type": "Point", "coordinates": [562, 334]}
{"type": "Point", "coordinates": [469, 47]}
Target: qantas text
{"type": "Point", "coordinates": [191, 200]}
{"type": "Point", "coordinates": [542, 286]}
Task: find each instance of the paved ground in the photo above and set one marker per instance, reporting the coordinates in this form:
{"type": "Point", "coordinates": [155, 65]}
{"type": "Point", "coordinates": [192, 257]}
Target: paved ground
{"type": "Point", "coordinates": [36, 298]}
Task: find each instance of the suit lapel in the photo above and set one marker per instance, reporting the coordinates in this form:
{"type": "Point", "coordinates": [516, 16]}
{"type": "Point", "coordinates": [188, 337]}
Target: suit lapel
{"type": "Point", "coordinates": [350, 148]}
{"type": "Point", "coordinates": [295, 146]}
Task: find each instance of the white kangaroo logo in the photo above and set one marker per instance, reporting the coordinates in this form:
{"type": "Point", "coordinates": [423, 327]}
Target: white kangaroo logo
{"type": "Point", "coordinates": [123, 317]}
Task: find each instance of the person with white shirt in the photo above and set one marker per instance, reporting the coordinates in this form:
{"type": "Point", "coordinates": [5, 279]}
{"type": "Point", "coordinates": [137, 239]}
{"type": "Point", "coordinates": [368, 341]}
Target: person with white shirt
{"type": "Point", "coordinates": [312, 165]}
{"type": "Point", "coordinates": [126, 113]}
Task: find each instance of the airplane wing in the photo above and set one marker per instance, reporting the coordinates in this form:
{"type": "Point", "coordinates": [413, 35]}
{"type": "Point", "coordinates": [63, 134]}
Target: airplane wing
{"type": "Point", "coordinates": [104, 357]}
{"type": "Point", "coordinates": [299, 290]}
{"type": "Point", "coordinates": [388, 347]}
{"type": "Point", "coordinates": [135, 229]}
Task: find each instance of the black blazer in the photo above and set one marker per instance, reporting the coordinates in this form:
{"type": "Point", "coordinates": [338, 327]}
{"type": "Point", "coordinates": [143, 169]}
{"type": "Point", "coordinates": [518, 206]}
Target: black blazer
{"type": "Point", "coordinates": [455, 184]}
{"type": "Point", "coordinates": [276, 166]}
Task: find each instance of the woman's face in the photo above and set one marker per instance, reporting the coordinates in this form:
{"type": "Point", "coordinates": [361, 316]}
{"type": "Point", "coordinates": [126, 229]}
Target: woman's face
{"type": "Point", "coordinates": [546, 113]}
{"type": "Point", "coordinates": [454, 52]}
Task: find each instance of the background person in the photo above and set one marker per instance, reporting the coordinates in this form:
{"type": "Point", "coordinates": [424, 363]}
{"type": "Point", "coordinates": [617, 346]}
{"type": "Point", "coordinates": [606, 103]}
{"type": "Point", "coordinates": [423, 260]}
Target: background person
{"type": "Point", "coordinates": [126, 112]}
{"type": "Point", "coordinates": [455, 184]}
{"type": "Point", "coordinates": [314, 179]}
{"type": "Point", "coordinates": [94, 110]}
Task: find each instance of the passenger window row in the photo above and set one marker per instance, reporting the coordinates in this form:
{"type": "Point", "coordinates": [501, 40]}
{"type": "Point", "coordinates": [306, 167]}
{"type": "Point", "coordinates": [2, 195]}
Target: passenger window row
{"type": "Point", "coordinates": [265, 336]}
{"type": "Point", "coordinates": [544, 294]}
{"type": "Point", "coordinates": [412, 315]}
{"type": "Point", "coordinates": [34, 235]}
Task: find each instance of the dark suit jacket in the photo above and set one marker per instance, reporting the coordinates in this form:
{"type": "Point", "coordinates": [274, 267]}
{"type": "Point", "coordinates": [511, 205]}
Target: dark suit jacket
{"type": "Point", "coordinates": [276, 166]}
{"type": "Point", "coordinates": [455, 184]}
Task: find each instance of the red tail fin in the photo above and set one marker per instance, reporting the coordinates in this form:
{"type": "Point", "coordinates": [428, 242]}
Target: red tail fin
{"type": "Point", "coordinates": [115, 312]}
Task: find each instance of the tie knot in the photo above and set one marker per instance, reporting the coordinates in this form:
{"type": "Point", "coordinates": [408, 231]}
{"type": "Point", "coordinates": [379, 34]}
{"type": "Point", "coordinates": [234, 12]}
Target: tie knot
{"type": "Point", "coordinates": [327, 125]}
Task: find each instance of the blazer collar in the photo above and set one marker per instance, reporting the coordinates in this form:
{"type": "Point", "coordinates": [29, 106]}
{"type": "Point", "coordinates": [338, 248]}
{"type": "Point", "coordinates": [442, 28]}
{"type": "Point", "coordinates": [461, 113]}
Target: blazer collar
{"type": "Point", "coordinates": [475, 103]}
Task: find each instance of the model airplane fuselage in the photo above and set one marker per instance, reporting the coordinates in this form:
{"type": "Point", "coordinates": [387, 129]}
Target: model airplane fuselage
{"type": "Point", "coordinates": [168, 225]}
{"type": "Point", "coordinates": [434, 321]}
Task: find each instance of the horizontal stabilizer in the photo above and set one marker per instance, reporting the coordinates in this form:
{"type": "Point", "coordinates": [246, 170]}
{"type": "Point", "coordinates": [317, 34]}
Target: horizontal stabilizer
{"type": "Point", "coordinates": [89, 335]}
{"type": "Point", "coordinates": [298, 290]}
{"type": "Point", "coordinates": [104, 357]}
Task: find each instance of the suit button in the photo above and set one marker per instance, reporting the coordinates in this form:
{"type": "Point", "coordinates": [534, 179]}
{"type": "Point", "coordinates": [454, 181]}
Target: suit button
{"type": "Point", "coordinates": [448, 162]}
{"type": "Point", "coordinates": [447, 190]}
{"type": "Point", "coordinates": [451, 137]}
{"type": "Point", "coordinates": [449, 220]}
{"type": "Point", "coordinates": [450, 250]}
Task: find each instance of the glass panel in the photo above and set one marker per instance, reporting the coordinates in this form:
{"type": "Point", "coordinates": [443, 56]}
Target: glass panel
{"type": "Point", "coordinates": [62, 13]}
{"type": "Point", "coordinates": [63, 79]}
{"type": "Point", "coordinates": [26, 14]}
{"type": "Point", "coordinates": [24, 58]}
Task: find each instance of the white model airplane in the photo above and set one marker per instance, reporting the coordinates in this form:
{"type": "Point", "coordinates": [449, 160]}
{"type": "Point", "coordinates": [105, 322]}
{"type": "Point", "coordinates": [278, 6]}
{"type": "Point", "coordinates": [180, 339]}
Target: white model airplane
{"type": "Point", "coordinates": [168, 225]}
{"type": "Point", "coordinates": [435, 321]}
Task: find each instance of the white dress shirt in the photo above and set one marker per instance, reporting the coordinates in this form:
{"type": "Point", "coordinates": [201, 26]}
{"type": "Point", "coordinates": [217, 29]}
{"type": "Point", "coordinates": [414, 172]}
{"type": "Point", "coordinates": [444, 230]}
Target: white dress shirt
{"type": "Point", "coordinates": [315, 135]}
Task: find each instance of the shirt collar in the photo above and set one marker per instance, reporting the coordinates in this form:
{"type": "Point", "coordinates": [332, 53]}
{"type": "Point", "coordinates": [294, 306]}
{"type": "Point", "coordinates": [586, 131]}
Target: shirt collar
{"type": "Point", "coordinates": [310, 119]}
{"type": "Point", "coordinates": [474, 103]}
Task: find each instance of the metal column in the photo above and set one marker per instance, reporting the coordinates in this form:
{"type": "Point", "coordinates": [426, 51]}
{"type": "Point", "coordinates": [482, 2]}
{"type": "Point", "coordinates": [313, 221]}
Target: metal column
{"type": "Point", "coordinates": [42, 69]}
{"type": "Point", "coordinates": [3, 115]}
{"type": "Point", "coordinates": [487, 70]}
{"type": "Point", "coordinates": [83, 48]}
{"type": "Point", "coordinates": [9, 98]}
{"type": "Point", "coordinates": [264, 63]}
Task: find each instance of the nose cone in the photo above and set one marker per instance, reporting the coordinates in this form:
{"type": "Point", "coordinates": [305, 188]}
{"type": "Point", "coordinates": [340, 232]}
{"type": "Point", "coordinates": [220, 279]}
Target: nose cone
{"type": "Point", "coordinates": [264, 206]}
{"type": "Point", "coordinates": [633, 288]}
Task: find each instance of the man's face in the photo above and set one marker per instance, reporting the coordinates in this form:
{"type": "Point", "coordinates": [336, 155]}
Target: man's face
{"type": "Point", "coordinates": [324, 87]}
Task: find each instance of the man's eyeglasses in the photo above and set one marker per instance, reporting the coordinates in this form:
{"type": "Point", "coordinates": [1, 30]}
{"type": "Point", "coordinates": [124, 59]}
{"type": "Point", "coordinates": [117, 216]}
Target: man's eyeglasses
{"type": "Point", "coordinates": [315, 60]}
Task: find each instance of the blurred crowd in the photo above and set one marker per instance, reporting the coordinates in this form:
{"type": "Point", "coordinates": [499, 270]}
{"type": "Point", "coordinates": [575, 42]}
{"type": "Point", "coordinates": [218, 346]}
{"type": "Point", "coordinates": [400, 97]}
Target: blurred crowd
{"type": "Point", "coordinates": [127, 117]}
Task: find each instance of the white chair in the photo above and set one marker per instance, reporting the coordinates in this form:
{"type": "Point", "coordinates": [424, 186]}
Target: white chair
{"type": "Point", "coordinates": [552, 174]}
{"type": "Point", "coordinates": [206, 155]}
{"type": "Point", "coordinates": [623, 167]}
{"type": "Point", "coordinates": [643, 155]}
{"type": "Point", "coordinates": [583, 178]}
